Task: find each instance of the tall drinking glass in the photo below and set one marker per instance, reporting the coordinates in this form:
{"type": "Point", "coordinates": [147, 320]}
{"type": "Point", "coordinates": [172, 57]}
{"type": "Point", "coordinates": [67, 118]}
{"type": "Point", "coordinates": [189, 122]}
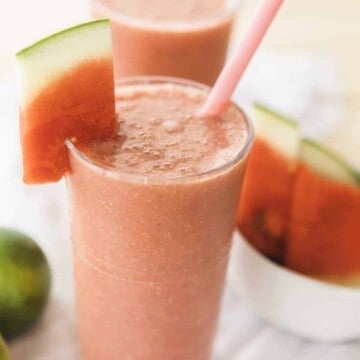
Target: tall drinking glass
{"type": "Point", "coordinates": [150, 253]}
{"type": "Point", "coordinates": [186, 39]}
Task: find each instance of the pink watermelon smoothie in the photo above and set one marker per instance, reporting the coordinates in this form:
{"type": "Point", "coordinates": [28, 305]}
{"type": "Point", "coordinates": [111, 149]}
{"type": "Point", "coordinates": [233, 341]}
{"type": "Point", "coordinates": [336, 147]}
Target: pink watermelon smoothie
{"type": "Point", "coordinates": [186, 39]}
{"type": "Point", "coordinates": [152, 219]}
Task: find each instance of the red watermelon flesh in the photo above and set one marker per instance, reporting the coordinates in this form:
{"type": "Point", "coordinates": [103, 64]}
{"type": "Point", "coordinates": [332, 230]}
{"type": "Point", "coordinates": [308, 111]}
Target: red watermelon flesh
{"type": "Point", "coordinates": [74, 101]}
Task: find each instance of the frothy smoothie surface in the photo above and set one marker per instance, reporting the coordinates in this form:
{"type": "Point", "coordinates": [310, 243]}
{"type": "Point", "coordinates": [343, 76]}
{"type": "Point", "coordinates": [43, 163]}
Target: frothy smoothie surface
{"type": "Point", "coordinates": [183, 10]}
{"type": "Point", "coordinates": [160, 133]}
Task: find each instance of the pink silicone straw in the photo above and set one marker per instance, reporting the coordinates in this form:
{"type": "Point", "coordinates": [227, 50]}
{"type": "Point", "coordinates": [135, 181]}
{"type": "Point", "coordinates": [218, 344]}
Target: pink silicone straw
{"type": "Point", "coordinates": [231, 74]}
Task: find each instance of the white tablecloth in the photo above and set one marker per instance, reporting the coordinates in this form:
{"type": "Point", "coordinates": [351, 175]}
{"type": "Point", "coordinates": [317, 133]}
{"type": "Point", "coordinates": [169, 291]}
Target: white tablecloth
{"type": "Point", "coordinates": [41, 212]}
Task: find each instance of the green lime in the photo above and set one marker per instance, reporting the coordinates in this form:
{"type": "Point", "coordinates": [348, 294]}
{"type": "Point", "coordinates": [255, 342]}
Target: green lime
{"type": "Point", "coordinates": [4, 353]}
{"type": "Point", "coordinates": [24, 282]}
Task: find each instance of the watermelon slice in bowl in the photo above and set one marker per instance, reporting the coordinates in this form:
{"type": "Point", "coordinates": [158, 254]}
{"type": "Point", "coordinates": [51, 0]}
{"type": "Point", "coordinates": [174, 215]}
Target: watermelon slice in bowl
{"type": "Point", "coordinates": [323, 235]}
{"type": "Point", "coordinates": [66, 90]}
{"type": "Point", "coordinates": [319, 241]}
{"type": "Point", "coordinates": [265, 200]}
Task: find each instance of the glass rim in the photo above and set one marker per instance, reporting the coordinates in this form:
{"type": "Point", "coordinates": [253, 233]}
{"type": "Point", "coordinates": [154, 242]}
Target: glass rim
{"type": "Point", "coordinates": [160, 25]}
{"type": "Point", "coordinates": [139, 178]}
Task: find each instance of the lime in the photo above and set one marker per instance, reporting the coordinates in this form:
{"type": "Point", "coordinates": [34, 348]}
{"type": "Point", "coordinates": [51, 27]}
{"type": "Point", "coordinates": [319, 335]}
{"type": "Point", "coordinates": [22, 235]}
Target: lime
{"type": "Point", "coordinates": [24, 282]}
{"type": "Point", "coordinates": [4, 353]}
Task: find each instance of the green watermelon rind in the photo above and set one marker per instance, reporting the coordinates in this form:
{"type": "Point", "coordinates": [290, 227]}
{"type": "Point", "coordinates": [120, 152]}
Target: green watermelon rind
{"type": "Point", "coordinates": [283, 134]}
{"type": "Point", "coordinates": [279, 131]}
{"type": "Point", "coordinates": [45, 41]}
{"type": "Point", "coordinates": [327, 163]}
{"type": "Point", "coordinates": [40, 64]}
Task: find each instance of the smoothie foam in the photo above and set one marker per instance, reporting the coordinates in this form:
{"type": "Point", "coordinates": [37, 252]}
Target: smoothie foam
{"type": "Point", "coordinates": [160, 133]}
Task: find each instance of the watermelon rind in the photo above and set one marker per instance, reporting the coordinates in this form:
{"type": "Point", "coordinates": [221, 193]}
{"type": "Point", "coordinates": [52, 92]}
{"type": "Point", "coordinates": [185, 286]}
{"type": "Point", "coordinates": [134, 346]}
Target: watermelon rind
{"type": "Point", "coordinates": [41, 63]}
{"type": "Point", "coordinates": [65, 91]}
{"type": "Point", "coordinates": [326, 163]}
{"type": "Point", "coordinates": [280, 132]}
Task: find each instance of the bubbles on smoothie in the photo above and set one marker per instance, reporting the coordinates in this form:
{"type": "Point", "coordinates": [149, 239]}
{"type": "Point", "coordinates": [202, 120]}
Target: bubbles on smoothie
{"type": "Point", "coordinates": [166, 166]}
{"type": "Point", "coordinates": [171, 143]}
{"type": "Point", "coordinates": [135, 125]}
{"type": "Point", "coordinates": [133, 148]}
{"type": "Point", "coordinates": [153, 154]}
{"type": "Point", "coordinates": [145, 136]}
{"type": "Point", "coordinates": [173, 126]}
{"type": "Point", "coordinates": [160, 134]}
{"type": "Point", "coordinates": [131, 163]}
{"type": "Point", "coordinates": [163, 166]}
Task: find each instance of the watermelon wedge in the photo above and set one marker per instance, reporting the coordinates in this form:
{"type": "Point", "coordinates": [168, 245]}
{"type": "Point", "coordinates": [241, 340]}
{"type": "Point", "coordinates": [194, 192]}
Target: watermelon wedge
{"type": "Point", "coordinates": [264, 206]}
{"type": "Point", "coordinates": [326, 163]}
{"type": "Point", "coordinates": [323, 237]}
{"type": "Point", "coordinates": [66, 90]}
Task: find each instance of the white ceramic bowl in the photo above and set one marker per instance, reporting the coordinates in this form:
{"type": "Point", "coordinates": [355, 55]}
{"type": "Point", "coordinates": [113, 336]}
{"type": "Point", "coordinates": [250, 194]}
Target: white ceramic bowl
{"type": "Point", "coordinates": [304, 306]}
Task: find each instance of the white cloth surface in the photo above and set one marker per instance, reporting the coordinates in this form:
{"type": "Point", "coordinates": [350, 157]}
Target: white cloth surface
{"type": "Point", "coordinates": [41, 212]}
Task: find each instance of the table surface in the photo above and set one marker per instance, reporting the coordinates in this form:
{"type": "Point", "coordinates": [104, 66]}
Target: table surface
{"type": "Point", "coordinates": [41, 210]}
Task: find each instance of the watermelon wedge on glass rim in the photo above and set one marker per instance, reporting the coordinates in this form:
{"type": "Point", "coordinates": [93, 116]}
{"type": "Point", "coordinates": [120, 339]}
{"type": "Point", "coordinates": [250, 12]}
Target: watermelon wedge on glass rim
{"type": "Point", "coordinates": [66, 88]}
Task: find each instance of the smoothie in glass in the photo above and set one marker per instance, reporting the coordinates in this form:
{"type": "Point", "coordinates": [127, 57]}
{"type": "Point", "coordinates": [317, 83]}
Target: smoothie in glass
{"type": "Point", "coordinates": [187, 38]}
{"type": "Point", "coordinates": [152, 218]}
